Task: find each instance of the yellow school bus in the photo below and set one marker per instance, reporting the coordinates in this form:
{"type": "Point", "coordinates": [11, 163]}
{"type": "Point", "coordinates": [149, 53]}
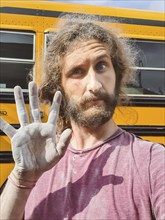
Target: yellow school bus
{"type": "Point", "coordinates": [24, 33]}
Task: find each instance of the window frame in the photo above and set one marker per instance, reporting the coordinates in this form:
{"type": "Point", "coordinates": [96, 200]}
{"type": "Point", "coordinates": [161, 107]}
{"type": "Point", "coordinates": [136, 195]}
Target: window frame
{"type": "Point", "coordinates": [19, 60]}
{"type": "Point", "coordinates": [146, 68]}
{"type": "Point", "coordinates": [21, 33]}
{"type": "Point", "coordinates": [46, 34]}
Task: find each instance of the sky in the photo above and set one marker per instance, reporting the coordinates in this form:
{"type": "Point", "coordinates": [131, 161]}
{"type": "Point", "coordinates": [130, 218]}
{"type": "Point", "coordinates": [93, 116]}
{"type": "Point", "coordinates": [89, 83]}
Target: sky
{"type": "Point", "coordinates": [153, 5]}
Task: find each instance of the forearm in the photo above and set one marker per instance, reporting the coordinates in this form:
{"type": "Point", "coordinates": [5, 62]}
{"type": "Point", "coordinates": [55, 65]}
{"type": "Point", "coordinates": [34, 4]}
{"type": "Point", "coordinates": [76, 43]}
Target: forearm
{"type": "Point", "coordinates": [13, 201]}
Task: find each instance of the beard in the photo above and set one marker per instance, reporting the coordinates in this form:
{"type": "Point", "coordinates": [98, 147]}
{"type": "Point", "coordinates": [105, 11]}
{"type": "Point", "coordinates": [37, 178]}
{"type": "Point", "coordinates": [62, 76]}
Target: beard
{"type": "Point", "coordinates": [92, 111]}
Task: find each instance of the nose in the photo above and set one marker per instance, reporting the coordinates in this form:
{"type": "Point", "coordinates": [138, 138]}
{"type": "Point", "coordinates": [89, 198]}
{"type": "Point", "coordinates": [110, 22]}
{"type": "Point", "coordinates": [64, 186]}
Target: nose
{"type": "Point", "coordinates": [93, 82]}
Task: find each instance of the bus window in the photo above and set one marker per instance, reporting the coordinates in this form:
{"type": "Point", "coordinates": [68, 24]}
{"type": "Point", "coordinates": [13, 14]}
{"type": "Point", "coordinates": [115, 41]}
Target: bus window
{"type": "Point", "coordinates": [13, 74]}
{"type": "Point", "coordinates": [16, 58]}
{"type": "Point", "coordinates": [151, 54]}
{"type": "Point", "coordinates": [148, 82]}
{"type": "Point", "coordinates": [16, 45]}
{"type": "Point", "coordinates": [150, 70]}
{"type": "Point", "coordinates": [48, 38]}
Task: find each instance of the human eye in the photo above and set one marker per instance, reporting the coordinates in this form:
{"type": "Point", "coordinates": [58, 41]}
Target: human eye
{"type": "Point", "coordinates": [76, 72]}
{"type": "Point", "coordinates": [101, 66]}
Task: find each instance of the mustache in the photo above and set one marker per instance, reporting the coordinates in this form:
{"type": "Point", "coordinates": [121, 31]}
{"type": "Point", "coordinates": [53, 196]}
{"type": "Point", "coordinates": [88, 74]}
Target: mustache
{"type": "Point", "coordinates": [95, 96]}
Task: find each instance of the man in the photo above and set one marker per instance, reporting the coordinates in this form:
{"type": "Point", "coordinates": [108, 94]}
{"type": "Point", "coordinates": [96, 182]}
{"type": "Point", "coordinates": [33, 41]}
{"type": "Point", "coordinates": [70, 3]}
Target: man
{"type": "Point", "coordinates": [93, 169]}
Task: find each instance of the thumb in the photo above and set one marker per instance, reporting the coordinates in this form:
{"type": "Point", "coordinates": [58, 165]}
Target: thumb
{"type": "Point", "coordinates": [63, 141]}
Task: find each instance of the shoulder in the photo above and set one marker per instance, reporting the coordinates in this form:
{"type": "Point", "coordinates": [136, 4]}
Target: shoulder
{"type": "Point", "coordinates": [130, 144]}
{"type": "Point", "coordinates": [142, 151]}
{"type": "Point", "coordinates": [146, 146]}
{"type": "Point", "coordinates": [138, 143]}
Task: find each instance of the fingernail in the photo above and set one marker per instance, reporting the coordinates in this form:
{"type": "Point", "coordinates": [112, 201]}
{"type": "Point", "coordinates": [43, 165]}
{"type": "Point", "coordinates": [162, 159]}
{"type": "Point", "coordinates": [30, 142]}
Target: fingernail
{"type": "Point", "coordinates": [58, 97]}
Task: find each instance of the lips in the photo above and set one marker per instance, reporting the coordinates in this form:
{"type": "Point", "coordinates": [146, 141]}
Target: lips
{"type": "Point", "coordinates": [91, 102]}
{"type": "Point", "coordinates": [94, 100]}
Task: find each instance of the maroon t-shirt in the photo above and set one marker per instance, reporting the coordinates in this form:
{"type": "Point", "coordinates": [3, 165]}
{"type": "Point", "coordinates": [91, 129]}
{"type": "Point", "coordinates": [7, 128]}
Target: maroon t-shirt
{"type": "Point", "coordinates": [122, 178]}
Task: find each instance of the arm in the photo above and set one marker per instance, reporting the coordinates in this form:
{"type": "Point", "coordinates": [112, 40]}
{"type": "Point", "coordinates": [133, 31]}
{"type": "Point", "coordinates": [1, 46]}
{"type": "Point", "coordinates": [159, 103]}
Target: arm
{"type": "Point", "coordinates": [34, 151]}
{"type": "Point", "coordinates": [13, 201]}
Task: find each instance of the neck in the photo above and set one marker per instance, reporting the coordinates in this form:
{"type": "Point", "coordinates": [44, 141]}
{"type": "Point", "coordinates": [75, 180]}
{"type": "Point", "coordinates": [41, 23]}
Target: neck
{"type": "Point", "coordinates": [83, 138]}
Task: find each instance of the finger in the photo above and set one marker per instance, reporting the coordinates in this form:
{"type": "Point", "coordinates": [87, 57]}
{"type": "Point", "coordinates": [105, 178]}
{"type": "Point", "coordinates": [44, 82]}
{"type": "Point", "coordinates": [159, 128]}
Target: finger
{"type": "Point", "coordinates": [21, 110]}
{"type": "Point", "coordinates": [7, 128]}
{"type": "Point", "coordinates": [34, 102]}
{"type": "Point", "coordinates": [53, 115]}
{"type": "Point", "coordinates": [63, 141]}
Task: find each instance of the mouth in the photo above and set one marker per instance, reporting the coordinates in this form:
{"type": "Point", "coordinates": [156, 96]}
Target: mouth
{"type": "Point", "coordinates": [93, 102]}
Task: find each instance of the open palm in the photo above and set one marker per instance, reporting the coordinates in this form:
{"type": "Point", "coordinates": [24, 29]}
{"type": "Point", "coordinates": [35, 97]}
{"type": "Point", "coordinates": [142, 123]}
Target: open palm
{"type": "Point", "coordinates": [34, 145]}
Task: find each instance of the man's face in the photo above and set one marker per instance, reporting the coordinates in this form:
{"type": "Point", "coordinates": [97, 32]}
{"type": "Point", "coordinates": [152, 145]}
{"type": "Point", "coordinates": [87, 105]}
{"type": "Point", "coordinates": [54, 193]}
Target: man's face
{"type": "Point", "coordinates": [88, 80]}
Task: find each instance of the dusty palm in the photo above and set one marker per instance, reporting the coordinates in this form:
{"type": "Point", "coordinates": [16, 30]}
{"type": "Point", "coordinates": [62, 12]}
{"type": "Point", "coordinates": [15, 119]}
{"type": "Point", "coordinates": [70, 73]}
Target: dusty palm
{"type": "Point", "coordinates": [34, 144]}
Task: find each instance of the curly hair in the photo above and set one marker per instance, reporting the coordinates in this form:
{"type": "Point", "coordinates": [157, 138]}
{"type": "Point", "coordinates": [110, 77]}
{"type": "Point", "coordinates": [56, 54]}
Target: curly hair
{"type": "Point", "coordinates": [78, 29]}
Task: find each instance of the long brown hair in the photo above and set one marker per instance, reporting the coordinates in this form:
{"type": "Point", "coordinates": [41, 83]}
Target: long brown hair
{"type": "Point", "coordinates": [75, 30]}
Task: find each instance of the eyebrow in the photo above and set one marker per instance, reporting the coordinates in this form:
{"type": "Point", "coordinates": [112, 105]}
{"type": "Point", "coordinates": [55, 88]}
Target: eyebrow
{"type": "Point", "coordinates": [72, 68]}
{"type": "Point", "coordinates": [105, 55]}
{"type": "Point", "coordinates": [79, 65]}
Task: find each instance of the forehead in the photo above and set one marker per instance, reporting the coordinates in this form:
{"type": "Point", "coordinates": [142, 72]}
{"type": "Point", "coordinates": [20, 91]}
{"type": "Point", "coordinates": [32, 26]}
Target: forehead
{"type": "Point", "coordinates": [80, 51]}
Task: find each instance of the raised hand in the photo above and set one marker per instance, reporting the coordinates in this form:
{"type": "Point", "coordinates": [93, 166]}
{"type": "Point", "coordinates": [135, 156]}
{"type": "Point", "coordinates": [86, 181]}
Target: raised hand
{"type": "Point", "coordinates": [34, 145]}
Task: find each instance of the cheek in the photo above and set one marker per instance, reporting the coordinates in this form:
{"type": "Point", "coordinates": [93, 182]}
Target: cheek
{"type": "Point", "coordinates": [74, 88]}
{"type": "Point", "coordinates": [109, 83]}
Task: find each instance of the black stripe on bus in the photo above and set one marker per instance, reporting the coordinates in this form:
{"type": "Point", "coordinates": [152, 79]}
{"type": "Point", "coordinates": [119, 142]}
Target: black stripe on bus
{"type": "Point", "coordinates": [136, 129]}
{"type": "Point", "coordinates": [144, 101]}
{"type": "Point", "coordinates": [47, 13]}
{"type": "Point", "coordinates": [6, 156]}
{"type": "Point", "coordinates": [139, 101]}
{"type": "Point", "coordinates": [145, 130]}
{"type": "Point", "coordinates": [8, 97]}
